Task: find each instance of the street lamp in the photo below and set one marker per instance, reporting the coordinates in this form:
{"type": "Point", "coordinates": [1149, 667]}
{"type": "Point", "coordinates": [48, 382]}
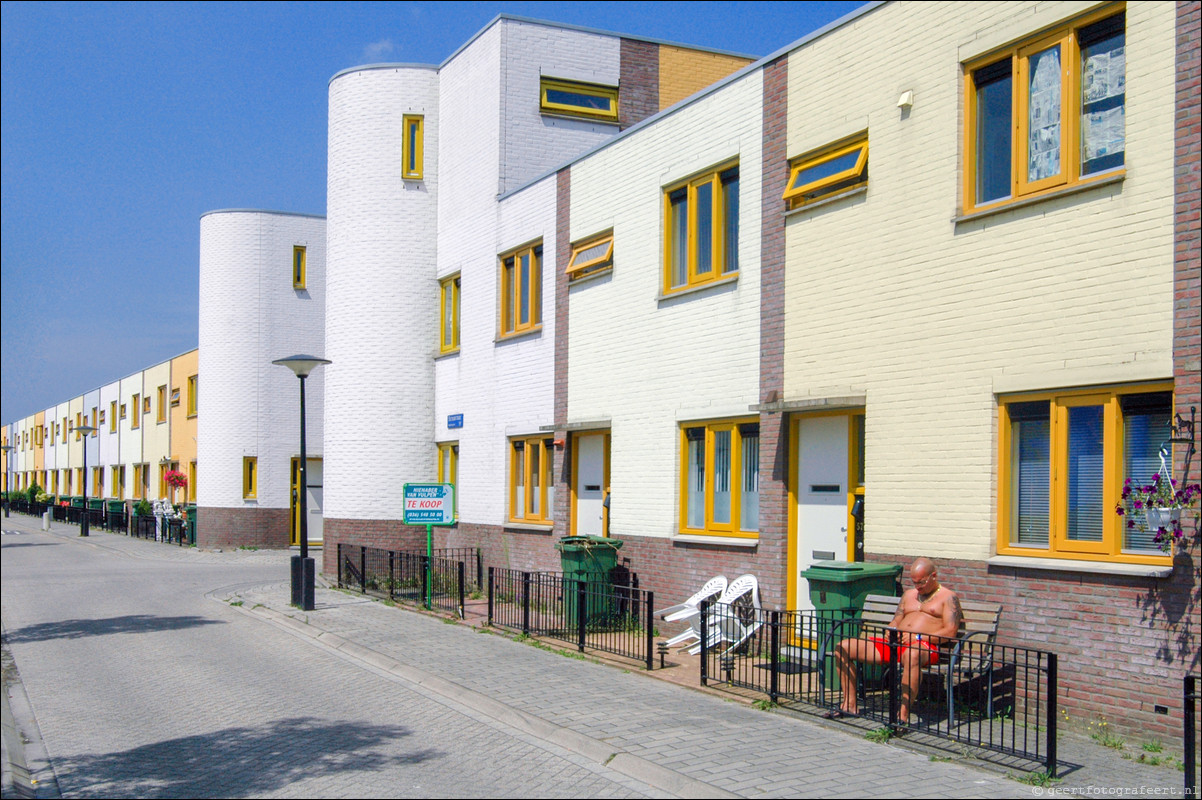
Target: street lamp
{"type": "Point", "coordinates": [85, 431]}
{"type": "Point", "coordinates": [303, 579]}
{"type": "Point", "coordinates": [8, 449]}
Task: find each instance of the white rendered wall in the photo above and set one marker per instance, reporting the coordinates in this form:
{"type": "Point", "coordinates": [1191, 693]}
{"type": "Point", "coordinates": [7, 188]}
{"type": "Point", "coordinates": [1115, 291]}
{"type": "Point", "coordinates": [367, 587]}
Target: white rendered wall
{"type": "Point", "coordinates": [156, 436]}
{"type": "Point", "coordinates": [129, 436]}
{"type": "Point", "coordinates": [91, 400]}
{"type": "Point", "coordinates": [75, 411]}
{"type": "Point", "coordinates": [532, 142]}
{"type": "Point", "coordinates": [250, 315]}
{"type": "Point", "coordinates": [50, 456]}
{"type": "Point", "coordinates": [382, 307]}
{"type": "Point", "coordinates": [109, 438]}
{"type": "Point", "coordinates": [645, 363]}
{"type": "Point", "coordinates": [934, 319]}
{"type": "Point", "coordinates": [62, 455]}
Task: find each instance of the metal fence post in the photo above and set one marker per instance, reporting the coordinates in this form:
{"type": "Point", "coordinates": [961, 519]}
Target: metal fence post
{"type": "Point", "coordinates": [581, 616]}
{"type": "Point", "coordinates": [391, 573]}
{"type": "Point", "coordinates": [462, 604]}
{"type": "Point", "coordinates": [526, 603]}
{"type": "Point", "coordinates": [649, 603]}
{"type": "Point", "coordinates": [705, 608]}
{"type": "Point", "coordinates": [490, 595]}
{"type": "Point", "coordinates": [1053, 680]}
{"type": "Point", "coordinates": [362, 569]}
{"type": "Point", "coordinates": [340, 563]}
{"type": "Point", "coordinates": [895, 681]}
{"type": "Point", "coordinates": [1190, 696]}
{"type": "Point", "coordinates": [480, 569]}
{"type": "Point", "coordinates": [423, 561]}
{"type": "Point", "coordinates": [774, 654]}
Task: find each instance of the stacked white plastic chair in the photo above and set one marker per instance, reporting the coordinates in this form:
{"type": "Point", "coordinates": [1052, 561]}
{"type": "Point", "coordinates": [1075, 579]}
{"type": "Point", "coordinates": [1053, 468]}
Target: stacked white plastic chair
{"type": "Point", "coordinates": [691, 610]}
{"type": "Point", "coordinates": [726, 625]}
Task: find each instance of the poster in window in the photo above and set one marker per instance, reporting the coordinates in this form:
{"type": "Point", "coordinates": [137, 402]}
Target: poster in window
{"type": "Point", "coordinates": [1043, 138]}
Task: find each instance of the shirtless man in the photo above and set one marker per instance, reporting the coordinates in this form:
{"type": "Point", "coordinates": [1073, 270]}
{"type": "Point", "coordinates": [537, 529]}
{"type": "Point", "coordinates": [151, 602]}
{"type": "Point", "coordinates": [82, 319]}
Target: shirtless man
{"type": "Point", "coordinates": [926, 615]}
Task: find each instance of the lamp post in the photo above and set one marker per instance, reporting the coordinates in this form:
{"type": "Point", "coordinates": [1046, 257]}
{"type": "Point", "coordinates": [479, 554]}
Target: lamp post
{"type": "Point", "coordinates": [85, 431]}
{"type": "Point", "coordinates": [303, 574]}
{"type": "Point", "coordinates": [8, 449]}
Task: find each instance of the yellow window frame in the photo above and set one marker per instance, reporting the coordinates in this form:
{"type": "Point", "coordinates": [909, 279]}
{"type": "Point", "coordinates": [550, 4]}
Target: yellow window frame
{"type": "Point", "coordinates": [448, 313]}
{"type": "Point", "coordinates": [250, 477]}
{"type": "Point", "coordinates": [413, 147]}
{"type": "Point", "coordinates": [1020, 54]}
{"type": "Point", "coordinates": [448, 468]}
{"type": "Point", "coordinates": [551, 103]}
{"type": "Point", "coordinates": [523, 467]}
{"type": "Point", "coordinates": [113, 416]}
{"type": "Point", "coordinates": [516, 288]}
{"type": "Point", "coordinates": [1110, 548]}
{"type": "Point", "coordinates": [852, 177]}
{"type": "Point", "coordinates": [300, 267]}
{"type": "Point", "coordinates": [715, 180]}
{"type": "Point", "coordinates": [193, 386]}
{"type": "Point", "coordinates": [711, 429]}
{"type": "Point", "coordinates": [600, 261]}
{"type": "Point", "coordinates": [162, 411]}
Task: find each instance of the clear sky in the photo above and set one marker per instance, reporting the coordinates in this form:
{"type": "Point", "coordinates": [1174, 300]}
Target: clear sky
{"type": "Point", "coordinates": [124, 122]}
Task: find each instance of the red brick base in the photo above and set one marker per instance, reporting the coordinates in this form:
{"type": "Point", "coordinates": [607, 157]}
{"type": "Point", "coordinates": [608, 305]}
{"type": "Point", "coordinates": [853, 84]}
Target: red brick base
{"type": "Point", "coordinates": [243, 527]}
{"type": "Point", "coordinates": [1123, 643]}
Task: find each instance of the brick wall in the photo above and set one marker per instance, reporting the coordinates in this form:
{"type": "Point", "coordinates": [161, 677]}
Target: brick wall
{"type": "Point", "coordinates": [236, 527]}
{"type": "Point", "coordinates": [639, 85]}
{"type": "Point", "coordinates": [562, 474]}
{"type": "Point", "coordinates": [1187, 357]}
{"type": "Point", "coordinates": [774, 428]}
{"type": "Point", "coordinates": [1123, 643]}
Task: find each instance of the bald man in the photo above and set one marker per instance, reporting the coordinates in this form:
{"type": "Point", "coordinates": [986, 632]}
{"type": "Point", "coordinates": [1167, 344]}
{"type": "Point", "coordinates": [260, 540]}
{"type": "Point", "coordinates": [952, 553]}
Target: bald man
{"type": "Point", "coordinates": [927, 614]}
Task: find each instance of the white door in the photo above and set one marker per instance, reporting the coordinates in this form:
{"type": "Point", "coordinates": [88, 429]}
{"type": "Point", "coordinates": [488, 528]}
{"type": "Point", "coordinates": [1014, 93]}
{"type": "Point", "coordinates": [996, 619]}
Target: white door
{"type": "Point", "coordinates": [589, 485]}
{"type": "Point", "coordinates": [821, 496]}
{"type": "Point", "coordinates": [313, 499]}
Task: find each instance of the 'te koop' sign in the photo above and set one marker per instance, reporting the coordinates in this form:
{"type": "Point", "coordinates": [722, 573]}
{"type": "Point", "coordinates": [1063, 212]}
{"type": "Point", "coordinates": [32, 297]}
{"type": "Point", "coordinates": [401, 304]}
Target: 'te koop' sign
{"type": "Point", "coordinates": [429, 504]}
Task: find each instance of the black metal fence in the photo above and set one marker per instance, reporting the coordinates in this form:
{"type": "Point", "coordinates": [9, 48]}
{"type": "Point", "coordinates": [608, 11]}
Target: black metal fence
{"type": "Point", "coordinates": [1190, 725]}
{"type": "Point", "coordinates": [606, 613]}
{"type": "Point", "coordinates": [996, 698]}
{"type": "Point", "coordinates": [403, 575]}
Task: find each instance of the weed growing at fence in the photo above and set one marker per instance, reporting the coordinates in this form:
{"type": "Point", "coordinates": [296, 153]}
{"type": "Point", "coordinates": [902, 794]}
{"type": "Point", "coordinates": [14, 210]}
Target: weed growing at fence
{"type": "Point", "coordinates": [236, 603]}
{"type": "Point", "coordinates": [1039, 778]}
{"type": "Point", "coordinates": [250, 547]}
{"type": "Point", "coordinates": [880, 735]}
{"type": "Point", "coordinates": [939, 759]}
{"type": "Point", "coordinates": [1153, 747]}
{"type": "Point", "coordinates": [763, 705]}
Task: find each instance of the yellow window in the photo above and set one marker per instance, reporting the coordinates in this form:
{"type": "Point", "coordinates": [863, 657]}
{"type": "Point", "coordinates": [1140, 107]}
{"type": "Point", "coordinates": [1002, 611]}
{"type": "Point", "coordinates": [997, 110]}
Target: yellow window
{"type": "Point", "coordinates": [701, 229]}
{"type": "Point", "coordinates": [193, 386]}
{"type": "Point", "coordinates": [531, 491]}
{"type": "Point", "coordinates": [162, 412]}
{"type": "Point", "coordinates": [448, 468]}
{"type": "Point", "coordinates": [720, 478]}
{"type": "Point", "coordinates": [250, 477]}
{"type": "Point", "coordinates": [448, 337]}
{"type": "Point", "coordinates": [828, 171]}
{"type": "Point", "coordinates": [412, 148]}
{"type": "Point", "coordinates": [521, 294]}
{"type": "Point", "coordinates": [1062, 463]}
{"type": "Point", "coordinates": [1047, 113]}
{"type": "Point", "coordinates": [299, 271]}
{"type": "Point", "coordinates": [578, 99]}
{"type": "Point", "coordinates": [591, 256]}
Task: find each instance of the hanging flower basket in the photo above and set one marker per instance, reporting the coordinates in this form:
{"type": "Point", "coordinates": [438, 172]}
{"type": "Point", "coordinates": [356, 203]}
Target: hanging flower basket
{"type": "Point", "coordinates": [1158, 507]}
{"type": "Point", "coordinates": [176, 479]}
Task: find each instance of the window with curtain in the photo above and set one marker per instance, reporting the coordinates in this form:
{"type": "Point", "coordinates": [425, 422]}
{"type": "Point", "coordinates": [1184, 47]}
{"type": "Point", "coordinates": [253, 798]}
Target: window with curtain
{"type": "Point", "coordinates": [720, 478]}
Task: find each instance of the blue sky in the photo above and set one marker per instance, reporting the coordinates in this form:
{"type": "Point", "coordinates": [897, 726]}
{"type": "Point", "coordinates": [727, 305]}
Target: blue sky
{"type": "Point", "coordinates": [124, 122]}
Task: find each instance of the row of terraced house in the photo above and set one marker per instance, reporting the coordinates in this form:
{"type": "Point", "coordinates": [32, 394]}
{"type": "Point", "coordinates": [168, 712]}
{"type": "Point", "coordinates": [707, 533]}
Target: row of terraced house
{"type": "Point", "coordinates": [923, 282]}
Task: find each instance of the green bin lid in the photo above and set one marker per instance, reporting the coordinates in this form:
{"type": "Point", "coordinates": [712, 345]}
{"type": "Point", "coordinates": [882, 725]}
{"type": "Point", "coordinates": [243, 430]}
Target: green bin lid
{"type": "Point", "coordinates": [848, 571]}
{"type": "Point", "coordinates": [575, 543]}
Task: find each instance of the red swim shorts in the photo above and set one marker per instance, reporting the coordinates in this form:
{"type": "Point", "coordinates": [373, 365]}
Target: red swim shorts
{"type": "Point", "coordinates": [882, 648]}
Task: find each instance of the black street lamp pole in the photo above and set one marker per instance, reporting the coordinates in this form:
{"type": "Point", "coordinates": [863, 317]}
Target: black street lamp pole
{"type": "Point", "coordinates": [8, 457]}
{"type": "Point", "coordinates": [303, 570]}
{"type": "Point", "coordinates": [85, 431]}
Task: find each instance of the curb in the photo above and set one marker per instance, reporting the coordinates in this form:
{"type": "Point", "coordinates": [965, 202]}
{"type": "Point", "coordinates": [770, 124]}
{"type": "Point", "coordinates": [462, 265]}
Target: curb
{"type": "Point", "coordinates": [595, 750]}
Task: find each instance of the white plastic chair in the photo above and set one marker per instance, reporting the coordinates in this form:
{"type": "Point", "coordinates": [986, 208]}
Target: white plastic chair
{"type": "Point", "coordinates": [726, 626]}
{"type": "Point", "coordinates": [691, 610]}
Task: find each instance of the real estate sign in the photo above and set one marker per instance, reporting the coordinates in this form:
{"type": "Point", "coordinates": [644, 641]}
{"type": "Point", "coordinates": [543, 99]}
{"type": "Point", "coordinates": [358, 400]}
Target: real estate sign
{"type": "Point", "coordinates": [429, 504]}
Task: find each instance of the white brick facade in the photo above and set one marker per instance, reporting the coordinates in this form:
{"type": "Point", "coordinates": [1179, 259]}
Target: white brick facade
{"type": "Point", "coordinates": [251, 315]}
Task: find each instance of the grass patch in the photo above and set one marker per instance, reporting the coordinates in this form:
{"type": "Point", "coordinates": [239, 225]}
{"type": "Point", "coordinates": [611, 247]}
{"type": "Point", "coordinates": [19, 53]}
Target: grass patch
{"type": "Point", "coordinates": [763, 705]}
{"type": "Point", "coordinates": [235, 603]}
{"type": "Point", "coordinates": [1153, 747]}
{"type": "Point", "coordinates": [1100, 732]}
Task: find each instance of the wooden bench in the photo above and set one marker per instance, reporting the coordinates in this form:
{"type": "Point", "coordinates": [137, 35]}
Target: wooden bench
{"type": "Point", "coordinates": [964, 658]}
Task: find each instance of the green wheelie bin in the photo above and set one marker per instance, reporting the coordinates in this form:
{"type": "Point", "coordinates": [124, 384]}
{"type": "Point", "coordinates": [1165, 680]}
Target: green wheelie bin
{"type": "Point", "coordinates": [588, 559]}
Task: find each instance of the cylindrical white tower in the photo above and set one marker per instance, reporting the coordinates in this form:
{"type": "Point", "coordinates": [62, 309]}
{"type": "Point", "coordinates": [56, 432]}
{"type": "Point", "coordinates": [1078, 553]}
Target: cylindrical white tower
{"type": "Point", "coordinates": [382, 303]}
{"type": "Point", "coordinates": [262, 297]}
